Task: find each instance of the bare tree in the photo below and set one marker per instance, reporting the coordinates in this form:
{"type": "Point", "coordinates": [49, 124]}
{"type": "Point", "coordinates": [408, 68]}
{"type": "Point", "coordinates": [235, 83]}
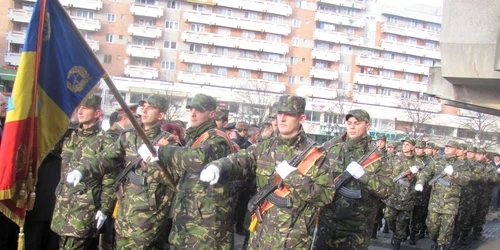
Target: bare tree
{"type": "Point", "coordinates": [419, 113]}
{"type": "Point", "coordinates": [257, 99]}
{"type": "Point", "coordinates": [483, 127]}
{"type": "Point", "coordinates": [175, 110]}
{"type": "Point", "coordinates": [335, 114]}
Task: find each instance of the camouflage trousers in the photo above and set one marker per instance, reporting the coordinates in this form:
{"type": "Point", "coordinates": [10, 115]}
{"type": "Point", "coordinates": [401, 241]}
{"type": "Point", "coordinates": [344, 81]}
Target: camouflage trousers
{"type": "Point", "coordinates": [380, 215]}
{"type": "Point", "coordinates": [129, 244]}
{"type": "Point", "coordinates": [440, 227]}
{"type": "Point", "coordinates": [398, 221]}
{"type": "Point", "coordinates": [418, 217]}
{"type": "Point", "coordinates": [72, 243]}
{"type": "Point", "coordinates": [479, 217]}
{"type": "Point", "coordinates": [463, 221]}
{"type": "Point", "coordinates": [331, 238]}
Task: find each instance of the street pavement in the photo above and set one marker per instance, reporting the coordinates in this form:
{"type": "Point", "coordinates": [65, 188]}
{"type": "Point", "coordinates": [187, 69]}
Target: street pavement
{"type": "Point", "coordinates": [489, 241]}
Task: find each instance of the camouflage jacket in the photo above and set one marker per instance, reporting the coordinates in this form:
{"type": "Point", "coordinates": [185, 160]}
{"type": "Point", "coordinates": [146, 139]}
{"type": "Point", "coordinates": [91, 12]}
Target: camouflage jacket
{"type": "Point", "coordinates": [202, 215]}
{"type": "Point", "coordinates": [283, 228]}
{"type": "Point", "coordinates": [403, 194]}
{"type": "Point", "coordinates": [445, 199]}
{"type": "Point", "coordinates": [143, 210]}
{"type": "Point", "coordinates": [422, 198]}
{"type": "Point", "coordinates": [348, 214]}
{"type": "Point", "coordinates": [76, 207]}
{"type": "Point", "coordinates": [115, 130]}
{"type": "Point", "coordinates": [467, 195]}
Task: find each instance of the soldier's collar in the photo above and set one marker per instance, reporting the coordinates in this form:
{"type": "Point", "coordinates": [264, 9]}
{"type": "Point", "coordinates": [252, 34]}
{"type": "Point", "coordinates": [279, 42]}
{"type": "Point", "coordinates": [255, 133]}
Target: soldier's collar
{"type": "Point", "coordinates": [95, 128]}
{"type": "Point", "coordinates": [294, 141]}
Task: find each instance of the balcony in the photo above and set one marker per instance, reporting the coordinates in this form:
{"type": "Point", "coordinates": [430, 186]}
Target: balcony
{"type": "Point", "coordinates": [411, 31]}
{"type": "Point", "coordinates": [410, 49]}
{"type": "Point", "coordinates": [88, 24]}
{"type": "Point", "coordinates": [147, 10]}
{"type": "Point", "coordinates": [233, 62]}
{"type": "Point", "coordinates": [145, 30]}
{"type": "Point", "coordinates": [395, 101]}
{"type": "Point", "coordinates": [94, 44]}
{"type": "Point", "coordinates": [141, 72]}
{"type": "Point", "coordinates": [16, 37]}
{"type": "Point", "coordinates": [337, 37]}
{"type": "Point", "coordinates": [340, 19]}
{"type": "Point", "coordinates": [258, 6]}
{"type": "Point", "coordinates": [19, 15]}
{"type": "Point", "coordinates": [13, 58]}
{"type": "Point", "coordinates": [387, 82]}
{"type": "Point", "coordinates": [83, 4]}
{"type": "Point", "coordinates": [234, 42]}
{"type": "Point", "coordinates": [356, 4]}
{"type": "Point", "coordinates": [326, 55]}
{"type": "Point", "coordinates": [143, 51]}
{"type": "Point", "coordinates": [231, 82]}
{"type": "Point", "coordinates": [236, 22]}
{"type": "Point", "coordinates": [316, 92]}
{"type": "Point", "coordinates": [322, 73]}
{"type": "Point", "coordinates": [382, 63]}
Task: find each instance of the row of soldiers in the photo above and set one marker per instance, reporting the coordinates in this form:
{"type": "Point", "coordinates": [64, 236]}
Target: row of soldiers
{"type": "Point", "coordinates": [452, 204]}
{"type": "Point", "coordinates": [308, 195]}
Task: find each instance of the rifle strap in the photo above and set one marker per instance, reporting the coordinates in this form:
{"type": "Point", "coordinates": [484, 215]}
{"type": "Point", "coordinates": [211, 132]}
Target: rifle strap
{"type": "Point", "coordinates": [210, 132]}
{"type": "Point", "coordinates": [304, 166]}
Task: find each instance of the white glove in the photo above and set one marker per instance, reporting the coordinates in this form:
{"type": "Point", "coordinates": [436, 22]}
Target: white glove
{"type": "Point", "coordinates": [355, 170]}
{"type": "Point", "coordinates": [74, 177]}
{"type": "Point", "coordinates": [146, 155]}
{"type": "Point", "coordinates": [449, 170]}
{"type": "Point", "coordinates": [414, 169]}
{"type": "Point", "coordinates": [498, 170]}
{"type": "Point", "coordinates": [100, 218]}
{"type": "Point", "coordinates": [419, 187]}
{"type": "Point", "coordinates": [210, 174]}
{"type": "Point", "coordinates": [284, 169]}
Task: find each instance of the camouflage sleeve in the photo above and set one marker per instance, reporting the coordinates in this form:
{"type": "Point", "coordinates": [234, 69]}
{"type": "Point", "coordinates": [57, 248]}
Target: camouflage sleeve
{"type": "Point", "coordinates": [462, 176]}
{"type": "Point", "coordinates": [108, 198]}
{"type": "Point", "coordinates": [103, 162]}
{"type": "Point", "coordinates": [377, 179]}
{"type": "Point", "coordinates": [239, 165]}
{"type": "Point", "coordinates": [426, 174]}
{"type": "Point", "coordinates": [154, 170]}
{"type": "Point", "coordinates": [491, 174]}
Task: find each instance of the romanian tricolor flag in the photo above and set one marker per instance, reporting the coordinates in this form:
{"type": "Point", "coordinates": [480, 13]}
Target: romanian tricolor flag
{"type": "Point", "coordinates": [56, 73]}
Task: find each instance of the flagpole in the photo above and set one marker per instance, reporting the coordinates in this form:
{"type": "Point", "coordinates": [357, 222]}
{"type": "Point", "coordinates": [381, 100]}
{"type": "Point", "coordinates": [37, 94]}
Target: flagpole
{"type": "Point", "coordinates": [120, 100]}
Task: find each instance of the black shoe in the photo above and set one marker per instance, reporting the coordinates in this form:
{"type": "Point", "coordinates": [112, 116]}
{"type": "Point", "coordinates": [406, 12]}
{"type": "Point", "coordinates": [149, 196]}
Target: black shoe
{"type": "Point", "coordinates": [241, 231]}
{"type": "Point", "coordinates": [476, 235]}
{"type": "Point", "coordinates": [396, 243]}
{"type": "Point", "coordinates": [412, 239]}
{"type": "Point", "coordinates": [421, 234]}
{"type": "Point", "coordinates": [453, 244]}
{"type": "Point", "coordinates": [434, 245]}
{"type": "Point", "coordinates": [464, 238]}
{"type": "Point", "coordinates": [386, 228]}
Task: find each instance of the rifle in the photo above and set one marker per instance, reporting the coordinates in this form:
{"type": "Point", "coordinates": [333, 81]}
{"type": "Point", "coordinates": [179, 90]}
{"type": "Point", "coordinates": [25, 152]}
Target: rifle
{"type": "Point", "coordinates": [315, 234]}
{"type": "Point", "coordinates": [441, 180]}
{"type": "Point", "coordinates": [345, 177]}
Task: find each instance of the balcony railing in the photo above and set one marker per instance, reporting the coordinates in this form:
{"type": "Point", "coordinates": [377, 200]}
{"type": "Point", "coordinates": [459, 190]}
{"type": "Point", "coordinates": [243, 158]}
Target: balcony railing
{"type": "Point", "coordinates": [259, 6]}
{"type": "Point", "coordinates": [340, 19]}
{"type": "Point", "coordinates": [145, 30]}
{"type": "Point", "coordinates": [326, 55]}
{"type": "Point", "coordinates": [148, 10]}
{"type": "Point", "coordinates": [16, 37]}
{"type": "Point", "coordinates": [86, 23]}
{"type": "Point", "coordinates": [236, 22]}
{"type": "Point", "coordinates": [387, 82]}
{"type": "Point", "coordinates": [231, 82]}
{"type": "Point", "coordinates": [315, 91]}
{"type": "Point", "coordinates": [143, 51]}
{"type": "Point", "coordinates": [234, 42]}
{"type": "Point", "coordinates": [410, 49]}
{"type": "Point", "coordinates": [411, 31]}
{"type": "Point", "coordinates": [382, 63]}
{"type": "Point", "coordinates": [322, 73]}
{"type": "Point", "coordinates": [337, 37]}
{"type": "Point", "coordinates": [356, 4]}
{"type": "Point", "coordinates": [20, 15]}
{"type": "Point", "coordinates": [233, 62]}
{"type": "Point", "coordinates": [83, 4]}
{"type": "Point", "coordinates": [141, 72]}
{"type": "Point", "coordinates": [94, 44]}
{"type": "Point", "coordinates": [395, 101]}
{"type": "Point", "coordinates": [13, 58]}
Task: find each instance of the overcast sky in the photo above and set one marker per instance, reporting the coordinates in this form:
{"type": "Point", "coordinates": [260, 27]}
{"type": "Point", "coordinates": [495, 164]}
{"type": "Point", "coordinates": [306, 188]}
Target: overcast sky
{"type": "Point", "coordinates": [406, 3]}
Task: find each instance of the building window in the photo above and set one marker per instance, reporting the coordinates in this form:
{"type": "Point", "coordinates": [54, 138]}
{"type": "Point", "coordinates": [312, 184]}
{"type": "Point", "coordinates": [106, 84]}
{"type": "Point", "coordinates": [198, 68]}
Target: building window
{"type": "Point", "coordinates": [346, 49]}
{"type": "Point", "coordinates": [111, 17]}
{"type": "Point", "coordinates": [226, 12]}
{"type": "Point", "coordinates": [224, 31]}
{"type": "Point", "coordinates": [292, 79]}
{"type": "Point", "coordinates": [109, 38]}
{"type": "Point", "coordinates": [327, 26]}
{"type": "Point", "coordinates": [411, 40]}
{"type": "Point", "coordinates": [107, 58]}
{"type": "Point", "coordinates": [389, 55]}
{"type": "Point", "coordinates": [248, 34]}
{"type": "Point", "coordinates": [174, 5]}
{"type": "Point", "coordinates": [243, 73]}
{"type": "Point", "coordinates": [363, 89]}
{"type": "Point", "coordinates": [430, 44]}
{"type": "Point", "coordinates": [85, 13]}
{"type": "Point", "coordinates": [195, 47]}
{"type": "Point", "coordinates": [298, 3]}
{"type": "Point", "coordinates": [345, 67]}
{"type": "Point", "coordinates": [296, 22]}
{"type": "Point", "coordinates": [220, 71]}
{"type": "Point", "coordinates": [429, 62]}
{"type": "Point", "coordinates": [270, 76]}
{"type": "Point", "coordinates": [406, 94]}
{"type": "Point", "coordinates": [411, 59]}
{"type": "Point", "coordinates": [247, 54]}
{"type": "Point", "coordinates": [123, 16]}
{"type": "Point", "coordinates": [294, 60]}
{"type": "Point", "coordinates": [392, 19]}
{"type": "Point", "coordinates": [194, 67]}
{"type": "Point", "coordinates": [250, 15]}
{"type": "Point", "coordinates": [432, 26]}
{"type": "Point", "coordinates": [349, 12]}
{"type": "Point", "coordinates": [171, 25]}
{"type": "Point", "coordinates": [386, 91]}
{"type": "Point", "coordinates": [322, 46]}
{"type": "Point", "coordinates": [349, 30]}
{"type": "Point", "coordinates": [272, 57]}
{"type": "Point", "coordinates": [387, 73]}
{"type": "Point", "coordinates": [148, 22]}
{"type": "Point", "coordinates": [319, 83]}
{"type": "Point", "coordinates": [168, 65]}
{"type": "Point", "coordinates": [198, 27]}
{"type": "Point", "coordinates": [313, 116]}
{"type": "Point", "coordinates": [391, 37]}
{"type": "Point", "coordinates": [273, 38]}
{"type": "Point", "coordinates": [412, 24]}
{"type": "Point", "coordinates": [276, 19]}
{"type": "Point", "coordinates": [321, 64]}
{"type": "Point", "coordinates": [169, 45]}
{"type": "Point", "coordinates": [370, 34]}
{"type": "Point", "coordinates": [198, 7]}
{"type": "Point", "coordinates": [408, 76]}
{"type": "Point", "coordinates": [221, 51]}
{"type": "Point", "coordinates": [295, 41]}
{"type": "Point", "coordinates": [143, 42]}
{"type": "Point", "coordinates": [143, 62]}
{"type": "Point", "coordinates": [367, 52]}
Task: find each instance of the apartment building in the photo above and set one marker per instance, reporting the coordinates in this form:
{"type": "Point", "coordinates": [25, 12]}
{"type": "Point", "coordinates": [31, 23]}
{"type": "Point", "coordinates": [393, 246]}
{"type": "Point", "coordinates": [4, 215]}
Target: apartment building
{"type": "Point", "coordinates": [340, 54]}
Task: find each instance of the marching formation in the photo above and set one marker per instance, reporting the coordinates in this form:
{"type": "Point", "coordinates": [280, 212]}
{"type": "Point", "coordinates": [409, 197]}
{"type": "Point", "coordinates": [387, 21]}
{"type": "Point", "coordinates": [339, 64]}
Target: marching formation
{"type": "Point", "coordinates": [288, 191]}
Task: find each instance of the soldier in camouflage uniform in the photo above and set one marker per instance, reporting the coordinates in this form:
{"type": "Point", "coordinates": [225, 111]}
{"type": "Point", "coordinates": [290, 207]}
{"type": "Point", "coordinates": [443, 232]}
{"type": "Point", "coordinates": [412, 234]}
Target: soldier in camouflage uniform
{"type": "Point", "coordinates": [309, 190]}
{"type": "Point", "coordinates": [122, 123]}
{"type": "Point", "coordinates": [144, 198]}
{"type": "Point", "coordinates": [221, 117]}
{"type": "Point", "coordinates": [444, 201]}
{"type": "Point", "coordinates": [400, 203]}
{"type": "Point", "coordinates": [382, 151]}
{"type": "Point", "coordinates": [420, 210]}
{"type": "Point", "coordinates": [78, 206]}
{"type": "Point", "coordinates": [347, 223]}
{"type": "Point", "coordinates": [202, 214]}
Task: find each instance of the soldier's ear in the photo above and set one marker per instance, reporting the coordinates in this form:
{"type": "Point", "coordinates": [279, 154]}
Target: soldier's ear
{"type": "Point", "coordinates": [211, 115]}
{"type": "Point", "coordinates": [161, 116]}
{"type": "Point", "coordinates": [302, 118]}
